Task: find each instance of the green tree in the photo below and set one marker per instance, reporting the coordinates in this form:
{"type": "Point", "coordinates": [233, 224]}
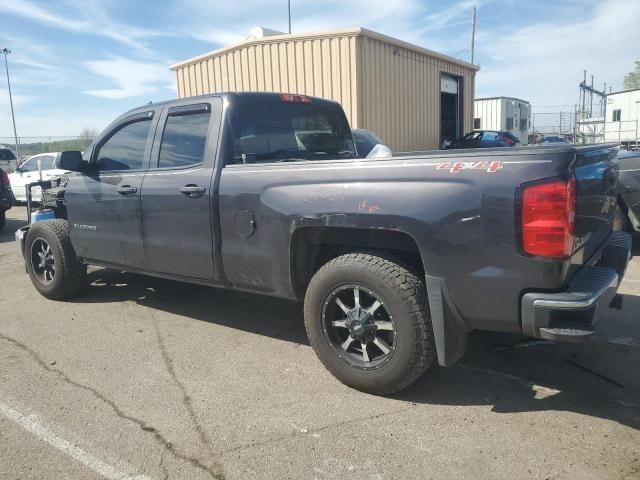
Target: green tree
{"type": "Point", "coordinates": [88, 134]}
{"type": "Point", "coordinates": [632, 79]}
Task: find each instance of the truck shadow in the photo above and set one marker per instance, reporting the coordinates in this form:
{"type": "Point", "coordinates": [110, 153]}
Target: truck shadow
{"type": "Point", "coordinates": [252, 313]}
{"type": "Point", "coordinates": [594, 380]}
{"type": "Point", "coordinates": [598, 379]}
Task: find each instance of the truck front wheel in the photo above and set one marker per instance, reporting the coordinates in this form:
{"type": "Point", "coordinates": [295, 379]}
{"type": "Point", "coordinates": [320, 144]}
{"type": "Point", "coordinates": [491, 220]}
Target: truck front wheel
{"type": "Point", "coordinates": [368, 321]}
{"type": "Point", "coordinates": [51, 261]}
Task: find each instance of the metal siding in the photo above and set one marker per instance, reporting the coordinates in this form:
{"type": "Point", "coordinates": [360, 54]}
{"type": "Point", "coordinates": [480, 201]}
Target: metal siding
{"type": "Point", "coordinates": [401, 95]}
{"type": "Point", "coordinates": [283, 52]}
{"type": "Point", "coordinates": [277, 68]}
{"type": "Point", "coordinates": [323, 67]}
{"type": "Point", "coordinates": [199, 87]}
{"type": "Point", "coordinates": [389, 89]}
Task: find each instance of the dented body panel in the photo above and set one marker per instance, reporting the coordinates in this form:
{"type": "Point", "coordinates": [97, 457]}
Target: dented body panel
{"type": "Point", "coordinates": [463, 220]}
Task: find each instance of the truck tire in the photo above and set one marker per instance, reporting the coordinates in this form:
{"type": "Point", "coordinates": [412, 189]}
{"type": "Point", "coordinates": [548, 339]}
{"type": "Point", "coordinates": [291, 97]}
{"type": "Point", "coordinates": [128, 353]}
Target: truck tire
{"type": "Point", "coordinates": [3, 219]}
{"type": "Point", "coordinates": [51, 261]}
{"type": "Point", "coordinates": [368, 321]}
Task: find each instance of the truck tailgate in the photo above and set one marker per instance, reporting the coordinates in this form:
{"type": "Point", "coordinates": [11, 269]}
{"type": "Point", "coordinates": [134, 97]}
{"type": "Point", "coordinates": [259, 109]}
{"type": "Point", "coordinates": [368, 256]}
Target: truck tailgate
{"type": "Point", "coordinates": [596, 174]}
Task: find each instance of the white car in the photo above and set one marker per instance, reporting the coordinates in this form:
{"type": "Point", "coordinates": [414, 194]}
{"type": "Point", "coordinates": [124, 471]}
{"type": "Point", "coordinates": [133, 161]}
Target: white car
{"type": "Point", "coordinates": [28, 173]}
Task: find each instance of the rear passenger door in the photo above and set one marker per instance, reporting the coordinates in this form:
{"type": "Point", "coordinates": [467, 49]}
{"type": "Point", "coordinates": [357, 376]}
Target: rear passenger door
{"type": "Point", "coordinates": [178, 204]}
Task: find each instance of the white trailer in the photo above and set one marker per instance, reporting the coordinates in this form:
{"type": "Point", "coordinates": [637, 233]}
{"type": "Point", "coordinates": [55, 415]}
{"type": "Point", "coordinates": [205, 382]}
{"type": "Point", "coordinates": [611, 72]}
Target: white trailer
{"type": "Point", "coordinates": [503, 113]}
{"type": "Point", "coordinates": [622, 121]}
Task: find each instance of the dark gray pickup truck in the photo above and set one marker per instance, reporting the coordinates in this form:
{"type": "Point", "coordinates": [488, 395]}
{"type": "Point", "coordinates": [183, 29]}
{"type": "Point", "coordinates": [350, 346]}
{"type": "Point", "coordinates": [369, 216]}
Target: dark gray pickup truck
{"type": "Point", "coordinates": [396, 259]}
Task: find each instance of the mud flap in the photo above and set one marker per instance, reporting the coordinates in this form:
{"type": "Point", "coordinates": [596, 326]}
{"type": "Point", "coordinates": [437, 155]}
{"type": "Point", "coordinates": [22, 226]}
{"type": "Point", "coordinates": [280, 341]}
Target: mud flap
{"type": "Point", "coordinates": [449, 329]}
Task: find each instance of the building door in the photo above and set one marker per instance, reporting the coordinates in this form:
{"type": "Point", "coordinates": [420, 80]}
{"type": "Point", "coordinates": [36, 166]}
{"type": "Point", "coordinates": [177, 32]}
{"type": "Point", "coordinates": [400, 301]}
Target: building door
{"type": "Point", "coordinates": [450, 128]}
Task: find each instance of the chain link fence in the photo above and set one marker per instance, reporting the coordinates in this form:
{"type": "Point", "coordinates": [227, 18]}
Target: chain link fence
{"type": "Point", "coordinates": [29, 146]}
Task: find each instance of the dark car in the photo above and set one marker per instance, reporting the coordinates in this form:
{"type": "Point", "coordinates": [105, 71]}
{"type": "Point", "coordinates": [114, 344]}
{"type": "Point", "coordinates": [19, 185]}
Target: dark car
{"type": "Point", "coordinates": [553, 139]}
{"type": "Point", "coordinates": [486, 139]}
{"type": "Point", "coordinates": [629, 190]}
{"type": "Point", "coordinates": [8, 161]}
{"type": "Point", "coordinates": [396, 259]}
{"type": "Point", "coordinates": [365, 140]}
{"type": "Point", "coordinates": [6, 196]}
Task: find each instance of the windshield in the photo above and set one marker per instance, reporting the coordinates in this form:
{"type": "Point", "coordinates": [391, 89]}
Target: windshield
{"type": "Point", "coordinates": [281, 131]}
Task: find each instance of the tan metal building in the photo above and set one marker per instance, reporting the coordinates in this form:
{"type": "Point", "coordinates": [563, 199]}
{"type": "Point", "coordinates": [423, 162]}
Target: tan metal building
{"type": "Point", "coordinates": [409, 96]}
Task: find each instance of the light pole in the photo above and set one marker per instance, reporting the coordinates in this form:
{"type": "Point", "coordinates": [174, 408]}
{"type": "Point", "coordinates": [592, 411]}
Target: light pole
{"type": "Point", "coordinates": [6, 51]}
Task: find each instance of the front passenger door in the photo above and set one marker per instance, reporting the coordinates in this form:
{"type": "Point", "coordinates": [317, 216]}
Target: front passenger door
{"type": "Point", "coordinates": [104, 204]}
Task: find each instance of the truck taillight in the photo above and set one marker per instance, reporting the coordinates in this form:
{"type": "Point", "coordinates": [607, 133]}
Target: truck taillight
{"type": "Point", "coordinates": [548, 218]}
{"type": "Point", "coordinates": [5, 178]}
{"type": "Point", "coordinates": [295, 98]}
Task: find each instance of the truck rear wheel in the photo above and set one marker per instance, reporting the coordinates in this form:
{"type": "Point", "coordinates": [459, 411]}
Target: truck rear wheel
{"type": "Point", "coordinates": [52, 263]}
{"type": "Point", "coordinates": [368, 321]}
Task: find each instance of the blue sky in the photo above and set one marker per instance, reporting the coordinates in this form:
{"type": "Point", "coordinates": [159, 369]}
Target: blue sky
{"type": "Point", "coordinates": [80, 63]}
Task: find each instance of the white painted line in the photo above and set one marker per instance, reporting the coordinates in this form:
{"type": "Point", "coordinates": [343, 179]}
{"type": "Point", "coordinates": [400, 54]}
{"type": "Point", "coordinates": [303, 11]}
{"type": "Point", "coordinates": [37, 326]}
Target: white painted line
{"type": "Point", "coordinates": [32, 424]}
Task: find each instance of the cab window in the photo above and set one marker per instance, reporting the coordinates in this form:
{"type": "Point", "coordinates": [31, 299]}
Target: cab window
{"type": "Point", "coordinates": [268, 131]}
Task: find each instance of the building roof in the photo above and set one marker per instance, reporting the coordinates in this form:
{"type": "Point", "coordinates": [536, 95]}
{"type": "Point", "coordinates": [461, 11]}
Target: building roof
{"type": "Point", "coordinates": [359, 31]}
{"type": "Point", "coordinates": [628, 90]}
{"type": "Point", "coordinates": [503, 98]}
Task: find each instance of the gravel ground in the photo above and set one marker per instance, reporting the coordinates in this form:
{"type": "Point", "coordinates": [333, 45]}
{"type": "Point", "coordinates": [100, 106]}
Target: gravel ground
{"type": "Point", "coordinates": [146, 378]}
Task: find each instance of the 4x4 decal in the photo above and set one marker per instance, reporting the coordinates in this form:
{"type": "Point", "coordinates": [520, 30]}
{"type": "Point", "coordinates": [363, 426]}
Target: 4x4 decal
{"type": "Point", "coordinates": [455, 167]}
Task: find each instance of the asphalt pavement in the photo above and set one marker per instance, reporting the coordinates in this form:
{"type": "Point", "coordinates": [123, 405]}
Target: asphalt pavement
{"type": "Point", "coordinates": [152, 379]}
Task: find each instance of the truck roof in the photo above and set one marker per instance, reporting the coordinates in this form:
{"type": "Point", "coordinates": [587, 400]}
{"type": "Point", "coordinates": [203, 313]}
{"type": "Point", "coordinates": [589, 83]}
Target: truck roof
{"type": "Point", "coordinates": [236, 97]}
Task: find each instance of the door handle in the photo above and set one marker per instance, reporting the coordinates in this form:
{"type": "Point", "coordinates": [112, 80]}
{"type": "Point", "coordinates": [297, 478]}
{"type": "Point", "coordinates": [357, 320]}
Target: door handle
{"type": "Point", "coordinates": [193, 191]}
{"type": "Point", "coordinates": [126, 190]}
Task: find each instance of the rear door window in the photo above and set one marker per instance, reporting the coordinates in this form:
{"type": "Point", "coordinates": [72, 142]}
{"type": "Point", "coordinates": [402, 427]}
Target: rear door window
{"type": "Point", "coordinates": [267, 131]}
{"type": "Point", "coordinates": [184, 138]}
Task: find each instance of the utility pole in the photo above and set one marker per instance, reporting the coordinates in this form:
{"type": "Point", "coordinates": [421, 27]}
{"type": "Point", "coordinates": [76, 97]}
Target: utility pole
{"type": "Point", "coordinates": [591, 99]}
{"type": "Point", "coordinates": [289, 8]}
{"type": "Point", "coordinates": [6, 51]}
{"type": "Point", "coordinates": [473, 32]}
{"type": "Point", "coordinates": [560, 127]}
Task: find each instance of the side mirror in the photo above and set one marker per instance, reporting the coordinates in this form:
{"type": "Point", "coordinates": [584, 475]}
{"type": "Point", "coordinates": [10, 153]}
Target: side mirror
{"type": "Point", "coordinates": [72, 161]}
{"type": "Point", "coordinates": [18, 170]}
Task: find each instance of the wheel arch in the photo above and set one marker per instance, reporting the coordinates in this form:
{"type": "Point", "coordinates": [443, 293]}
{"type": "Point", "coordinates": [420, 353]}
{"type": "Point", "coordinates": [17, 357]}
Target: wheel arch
{"type": "Point", "coordinates": [313, 246]}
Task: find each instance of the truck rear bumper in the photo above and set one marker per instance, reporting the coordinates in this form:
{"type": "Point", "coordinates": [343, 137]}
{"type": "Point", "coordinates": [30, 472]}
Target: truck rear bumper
{"type": "Point", "coordinates": [569, 315]}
